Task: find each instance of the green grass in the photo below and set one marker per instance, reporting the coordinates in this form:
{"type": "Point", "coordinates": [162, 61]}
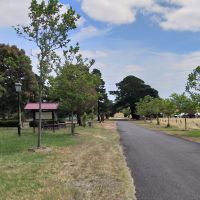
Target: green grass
{"type": "Point", "coordinates": [10, 143]}
{"type": "Point", "coordinates": [192, 133]}
{"type": "Point", "coordinates": [87, 165]}
{"type": "Point", "coordinates": [19, 168]}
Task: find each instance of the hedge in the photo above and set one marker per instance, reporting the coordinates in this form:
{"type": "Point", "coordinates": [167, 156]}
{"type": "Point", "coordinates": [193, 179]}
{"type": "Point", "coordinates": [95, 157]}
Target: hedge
{"type": "Point", "coordinates": [9, 123]}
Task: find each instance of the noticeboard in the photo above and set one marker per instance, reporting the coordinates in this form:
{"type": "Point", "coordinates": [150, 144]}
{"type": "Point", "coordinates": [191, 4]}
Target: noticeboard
{"type": "Point", "coordinates": [45, 115]}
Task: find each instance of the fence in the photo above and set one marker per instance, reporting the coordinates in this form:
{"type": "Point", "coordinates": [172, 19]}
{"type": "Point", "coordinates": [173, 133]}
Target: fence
{"type": "Point", "coordinates": [192, 123]}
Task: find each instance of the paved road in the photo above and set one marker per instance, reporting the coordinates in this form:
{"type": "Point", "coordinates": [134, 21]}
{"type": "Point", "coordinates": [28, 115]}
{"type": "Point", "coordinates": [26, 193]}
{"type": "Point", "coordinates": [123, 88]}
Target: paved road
{"type": "Point", "coordinates": [163, 167]}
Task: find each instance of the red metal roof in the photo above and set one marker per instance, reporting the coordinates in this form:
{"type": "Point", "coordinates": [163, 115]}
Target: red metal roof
{"type": "Point", "coordinates": [45, 106]}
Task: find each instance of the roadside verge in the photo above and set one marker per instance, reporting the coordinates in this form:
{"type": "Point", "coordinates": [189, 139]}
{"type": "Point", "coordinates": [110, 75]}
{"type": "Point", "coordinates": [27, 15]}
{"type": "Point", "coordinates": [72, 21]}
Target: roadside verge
{"type": "Point", "coordinates": [87, 166]}
{"type": "Point", "coordinates": [189, 134]}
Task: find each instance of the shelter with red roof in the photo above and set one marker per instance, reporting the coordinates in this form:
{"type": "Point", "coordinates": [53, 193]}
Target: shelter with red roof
{"type": "Point", "coordinates": [48, 111]}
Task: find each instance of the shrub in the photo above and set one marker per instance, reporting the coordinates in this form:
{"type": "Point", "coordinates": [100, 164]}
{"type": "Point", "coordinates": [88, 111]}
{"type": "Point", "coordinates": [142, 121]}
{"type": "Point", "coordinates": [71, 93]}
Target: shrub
{"type": "Point", "coordinates": [33, 124]}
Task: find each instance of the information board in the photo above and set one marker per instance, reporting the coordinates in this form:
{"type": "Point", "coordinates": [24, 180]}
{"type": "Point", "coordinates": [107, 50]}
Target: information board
{"type": "Point", "coordinates": [45, 115]}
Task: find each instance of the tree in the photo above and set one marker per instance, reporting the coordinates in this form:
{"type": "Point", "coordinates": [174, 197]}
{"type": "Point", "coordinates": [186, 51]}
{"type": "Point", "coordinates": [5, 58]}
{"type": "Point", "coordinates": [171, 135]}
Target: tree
{"type": "Point", "coordinates": [149, 106]}
{"type": "Point", "coordinates": [75, 88]}
{"type": "Point", "coordinates": [168, 108]}
{"type": "Point", "coordinates": [2, 89]}
{"type": "Point", "coordinates": [142, 108]}
{"type": "Point", "coordinates": [193, 83]}
{"type": "Point", "coordinates": [130, 90]}
{"type": "Point", "coordinates": [48, 29]}
{"type": "Point", "coordinates": [184, 104]}
{"type": "Point", "coordinates": [179, 101]}
{"type": "Point", "coordinates": [15, 66]}
{"type": "Point", "coordinates": [126, 112]}
{"type": "Point", "coordinates": [156, 105]}
{"type": "Point", "coordinates": [103, 102]}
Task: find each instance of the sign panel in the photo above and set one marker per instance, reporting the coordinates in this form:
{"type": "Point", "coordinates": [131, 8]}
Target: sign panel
{"type": "Point", "coordinates": [44, 115]}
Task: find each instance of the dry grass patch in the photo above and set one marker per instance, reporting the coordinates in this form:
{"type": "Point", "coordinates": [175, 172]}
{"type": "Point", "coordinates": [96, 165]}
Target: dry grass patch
{"type": "Point", "coordinates": [189, 134]}
{"type": "Point", "coordinates": [91, 168]}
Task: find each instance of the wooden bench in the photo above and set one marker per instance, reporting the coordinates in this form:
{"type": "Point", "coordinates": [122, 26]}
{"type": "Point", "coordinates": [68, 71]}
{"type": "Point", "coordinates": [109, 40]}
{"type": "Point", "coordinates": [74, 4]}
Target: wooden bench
{"type": "Point", "coordinates": [56, 126]}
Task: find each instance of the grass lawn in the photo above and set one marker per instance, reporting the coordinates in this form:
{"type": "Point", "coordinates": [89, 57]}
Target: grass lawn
{"type": "Point", "coordinates": [192, 135]}
{"type": "Point", "coordinates": [88, 165]}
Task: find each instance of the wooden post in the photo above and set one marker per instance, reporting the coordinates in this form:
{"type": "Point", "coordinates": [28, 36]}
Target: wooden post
{"type": "Point", "coordinates": [53, 121]}
{"type": "Point", "coordinates": [185, 123]}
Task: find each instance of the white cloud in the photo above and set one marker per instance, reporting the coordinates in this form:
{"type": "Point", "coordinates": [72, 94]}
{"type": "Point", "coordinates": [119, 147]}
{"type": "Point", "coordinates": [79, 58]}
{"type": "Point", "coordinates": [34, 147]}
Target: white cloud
{"type": "Point", "coordinates": [94, 54]}
{"type": "Point", "coordinates": [115, 12]}
{"type": "Point", "coordinates": [187, 62]}
{"type": "Point", "coordinates": [184, 18]}
{"type": "Point", "coordinates": [80, 22]}
{"type": "Point", "coordinates": [14, 12]}
{"type": "Point", "coordinates": [165, 71]}
{"type": "Point", "coordinates": [88, 32]}
{"type": "Point", "coordinates": [181, 15]}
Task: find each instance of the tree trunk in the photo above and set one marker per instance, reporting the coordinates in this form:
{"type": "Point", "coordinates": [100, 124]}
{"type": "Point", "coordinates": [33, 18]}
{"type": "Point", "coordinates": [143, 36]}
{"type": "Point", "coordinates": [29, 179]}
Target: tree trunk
{"type": "Point", "coordinates": [102, 117]}
{"type": "Point", "coordinates": [79, 121]}
{"type": "Point", "coordinates": [158, 121]}
{"type": "Point", "coordinates": [98, 112]}
{"type": "Point", "coordinates": [72, 123]}
{"type": "Point", "coordinates": [168, 124]}
{"type": "Point", "coordinates": [40, 117]}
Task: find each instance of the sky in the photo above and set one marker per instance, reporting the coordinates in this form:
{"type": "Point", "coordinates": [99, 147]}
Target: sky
{"type": "Point", "coordinates": [155, 40]}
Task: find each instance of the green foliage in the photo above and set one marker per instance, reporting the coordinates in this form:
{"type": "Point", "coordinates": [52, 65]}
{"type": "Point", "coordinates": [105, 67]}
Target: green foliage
{"type": "Point", "coordinates": [130, 90]}
{"type": "Point", "coordinates": [84, 118]}
{"type": "Point", "coordinates": [2, 88]}
{"type": "Point", "coordinates": [184, 104]}
{"type": "Point", "coordinates": [9, 123]}
{"type": "Point", "coordinates": [168, 107]}
{"type": "Point", "coordinates": [75, 88]}
{"type": "Point", "coordinates": [149, 106]}
{"type": "Point", "coordinates": [104, 106]}
{"type": "Point", "coordinates": [193, 83]}
{"type": "Point", "coordinates": [48, 29]}
{"type": "Point", "coordinates": [126, 112]}
{"type": "Point", "coordinates": [15, 66]}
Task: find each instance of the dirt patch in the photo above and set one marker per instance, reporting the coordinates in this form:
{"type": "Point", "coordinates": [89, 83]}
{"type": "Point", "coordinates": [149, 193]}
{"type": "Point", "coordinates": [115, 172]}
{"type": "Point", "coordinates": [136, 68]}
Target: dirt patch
{"type": "Point", "coordinates": [109, 125]}
{"type": "Point", "coordinates": [40, 149]}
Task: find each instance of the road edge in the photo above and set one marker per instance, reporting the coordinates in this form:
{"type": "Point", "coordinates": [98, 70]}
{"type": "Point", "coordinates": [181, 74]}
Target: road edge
{"type": "Point", "coordinates": [130, 172]}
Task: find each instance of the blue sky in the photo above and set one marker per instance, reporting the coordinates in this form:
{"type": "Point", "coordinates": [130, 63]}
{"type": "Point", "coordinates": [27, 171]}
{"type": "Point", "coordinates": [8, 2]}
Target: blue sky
{"type": "Point", "coordinates": [155, 40]}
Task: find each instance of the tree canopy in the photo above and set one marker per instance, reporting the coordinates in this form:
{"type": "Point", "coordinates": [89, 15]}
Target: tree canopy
{"type": "Point", "coordinates": [184, 104]}
{"type": "Point", "coordinates": [15, 66]}
{"type": "Point", "coordinates": [130, 90]}
{"type": "Point", "coordinates": [49, 29]}
{"type": "Point", "coordinates": [75, 88]}
{"type": "Point", "coordinates": [104, 106]}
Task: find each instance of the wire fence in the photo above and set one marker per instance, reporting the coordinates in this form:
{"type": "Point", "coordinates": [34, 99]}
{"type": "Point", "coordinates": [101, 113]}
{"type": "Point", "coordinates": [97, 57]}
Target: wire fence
{"type": "Point", "coordinates": [191, 123]}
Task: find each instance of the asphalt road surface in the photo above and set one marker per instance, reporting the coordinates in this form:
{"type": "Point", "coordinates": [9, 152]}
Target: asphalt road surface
{"type": "Point", "coordinates": [164, 167]}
